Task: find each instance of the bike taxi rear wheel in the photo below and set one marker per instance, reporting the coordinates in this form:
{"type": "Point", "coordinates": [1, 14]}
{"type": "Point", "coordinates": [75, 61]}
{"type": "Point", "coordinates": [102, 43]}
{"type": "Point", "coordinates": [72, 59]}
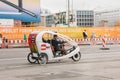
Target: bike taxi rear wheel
{"type": "Point", "coordinates": [43, 58]}
{"type": "Point", "coordinates": [76, 57]}
{"type": "Point", "coordinates": [31, 58]}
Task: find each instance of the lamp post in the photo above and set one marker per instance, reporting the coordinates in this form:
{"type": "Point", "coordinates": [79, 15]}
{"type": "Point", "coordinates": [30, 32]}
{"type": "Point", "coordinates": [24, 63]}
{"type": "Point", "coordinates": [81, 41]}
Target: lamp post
{"type": "Point", "coordinates": [68, 13]}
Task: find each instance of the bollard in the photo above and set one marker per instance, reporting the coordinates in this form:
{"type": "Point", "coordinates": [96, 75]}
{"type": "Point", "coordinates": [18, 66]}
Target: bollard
{"type": "Point", "coordinates": [104, 41]}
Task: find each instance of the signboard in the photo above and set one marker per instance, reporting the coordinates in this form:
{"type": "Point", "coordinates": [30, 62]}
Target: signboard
{"type": "Point", "coordinates": [6, 22]}
{"type": "Point", "coordinates": [24, 10]}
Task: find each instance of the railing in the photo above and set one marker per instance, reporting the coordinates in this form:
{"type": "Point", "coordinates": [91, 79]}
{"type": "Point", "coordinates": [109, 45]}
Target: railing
{"type": "Point", "coordinates": [88, 41]}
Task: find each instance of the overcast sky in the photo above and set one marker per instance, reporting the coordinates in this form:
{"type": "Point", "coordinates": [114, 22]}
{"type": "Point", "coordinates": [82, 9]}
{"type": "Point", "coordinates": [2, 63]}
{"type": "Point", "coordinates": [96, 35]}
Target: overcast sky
{"type": "Point", "coordinates": [60, 5]}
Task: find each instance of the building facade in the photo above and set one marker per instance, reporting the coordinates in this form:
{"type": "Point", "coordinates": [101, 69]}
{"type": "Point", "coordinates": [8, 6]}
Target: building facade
{"type": "Point", "coordinates": [84, 18]}
{"type": "Point", "coordinates": [80, 18]}
{"type": "Point", "coordinates": [49, 20]}
{"type": "Point", "coordinates": [107, 18]}
{"type": "Point", "coordinates": [46, 18]}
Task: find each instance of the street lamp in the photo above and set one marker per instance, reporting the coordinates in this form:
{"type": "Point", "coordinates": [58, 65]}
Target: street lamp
{"type": "Point", "coordinates": [68, 13]}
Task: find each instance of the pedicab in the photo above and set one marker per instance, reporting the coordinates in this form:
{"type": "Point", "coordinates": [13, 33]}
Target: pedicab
{"type": "Point", "coordinates": [42, 52]}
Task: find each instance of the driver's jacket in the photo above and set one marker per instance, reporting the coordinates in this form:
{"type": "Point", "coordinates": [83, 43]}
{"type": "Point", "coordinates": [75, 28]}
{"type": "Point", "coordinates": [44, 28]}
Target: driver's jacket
{"type": "Point", "coordinates": [55, 43]}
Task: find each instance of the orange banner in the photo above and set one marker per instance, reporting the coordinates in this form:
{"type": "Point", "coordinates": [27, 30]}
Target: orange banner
{"type": "Point", "coordinates": [73, 32]}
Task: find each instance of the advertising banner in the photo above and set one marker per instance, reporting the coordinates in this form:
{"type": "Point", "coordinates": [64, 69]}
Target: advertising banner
{"type": "Point", "coordinates": [24, 10]}
{"type": "Point", "coordinates": [18, 33]}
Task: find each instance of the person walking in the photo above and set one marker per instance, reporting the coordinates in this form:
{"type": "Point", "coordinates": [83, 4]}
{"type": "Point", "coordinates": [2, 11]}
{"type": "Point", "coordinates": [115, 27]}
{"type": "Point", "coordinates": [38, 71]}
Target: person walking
{"type": "Point", "coordinates": [93, 36]}
{"type": "Point", "coordinates": [85, 34]}
{"type": "Point", "coordinates": [25, 37]}
{"type": "Point", "coordinates": [5, 42]}
{"type": "Point", "coordinates": [0, 40]}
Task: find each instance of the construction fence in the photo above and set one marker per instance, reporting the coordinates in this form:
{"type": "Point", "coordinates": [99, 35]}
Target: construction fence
{"type": "Point", "coordinates": [17, 33]}
{"type": "Point", "coordinates": [17, 36]}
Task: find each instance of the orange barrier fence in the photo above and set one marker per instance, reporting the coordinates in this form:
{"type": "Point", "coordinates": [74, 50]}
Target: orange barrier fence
{"type": "Point", "coordinates": [88, 41]}
{"type": "Point", "coordinates": [73, 32]}
{"type": "Point", "coordinates": [97, 41]}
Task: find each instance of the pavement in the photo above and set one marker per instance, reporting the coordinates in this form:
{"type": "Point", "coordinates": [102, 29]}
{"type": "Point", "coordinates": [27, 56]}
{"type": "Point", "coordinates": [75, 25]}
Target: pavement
{"type": "Point", "coordinates": [95, 64]}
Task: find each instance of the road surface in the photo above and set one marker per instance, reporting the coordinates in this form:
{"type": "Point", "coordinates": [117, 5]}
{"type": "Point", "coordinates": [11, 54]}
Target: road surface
{"type": "Point", "coordinates": [95, 64]}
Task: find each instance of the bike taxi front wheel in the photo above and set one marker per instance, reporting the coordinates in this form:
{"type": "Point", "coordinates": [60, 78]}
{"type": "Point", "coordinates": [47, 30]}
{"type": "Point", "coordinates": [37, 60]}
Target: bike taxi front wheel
{"type": "Point", "coordinates": [31, 58]}
{"type": "Point", "coordinates": [76, 57]}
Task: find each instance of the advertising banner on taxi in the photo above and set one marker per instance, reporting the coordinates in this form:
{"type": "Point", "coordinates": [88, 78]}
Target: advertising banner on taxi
{"type": "Point", "coordinates": [24, 10]}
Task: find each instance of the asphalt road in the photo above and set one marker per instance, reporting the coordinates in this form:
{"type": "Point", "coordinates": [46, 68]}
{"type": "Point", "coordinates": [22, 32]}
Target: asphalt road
{"type": "Point", "coordinates": [95, 64]}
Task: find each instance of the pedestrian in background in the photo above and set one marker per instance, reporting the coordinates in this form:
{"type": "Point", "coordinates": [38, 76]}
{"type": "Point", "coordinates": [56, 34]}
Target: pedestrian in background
{"type": "Point", "coordinates": [5, 42]}
{"type": "Point", "coordinates": [0, 40]}
{"type": "Point", "coordinates": [25, 38]}
{"type": "Point", "coordinates": [93, 36]}
{"type": "Point", "coordinates": [85, 34]}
